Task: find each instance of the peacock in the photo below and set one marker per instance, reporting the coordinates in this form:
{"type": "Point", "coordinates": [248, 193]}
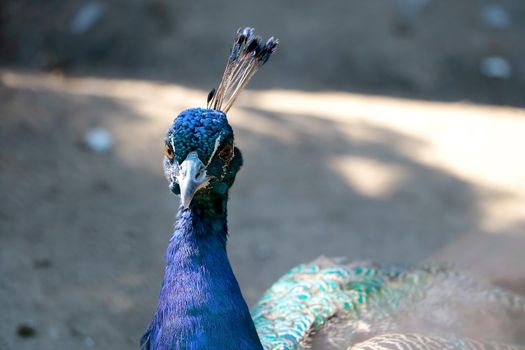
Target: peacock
{"type": "Point", "coordinates": [324, 304]}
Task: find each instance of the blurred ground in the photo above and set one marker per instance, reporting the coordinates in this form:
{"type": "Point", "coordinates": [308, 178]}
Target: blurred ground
{"type": "Point", "coordinates": [411, 48]}
{"type": "Point", "coordinates": [359, 149]}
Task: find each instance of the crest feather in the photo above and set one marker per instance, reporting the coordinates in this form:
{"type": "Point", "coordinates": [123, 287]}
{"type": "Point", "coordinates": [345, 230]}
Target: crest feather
{"type": "Point", "coordinates": [247, 55]}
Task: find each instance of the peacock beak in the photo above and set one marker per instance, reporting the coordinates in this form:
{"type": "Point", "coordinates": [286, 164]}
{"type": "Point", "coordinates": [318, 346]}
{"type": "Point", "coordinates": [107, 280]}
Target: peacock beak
{"type": "Point", "coordinates": [191, 178]}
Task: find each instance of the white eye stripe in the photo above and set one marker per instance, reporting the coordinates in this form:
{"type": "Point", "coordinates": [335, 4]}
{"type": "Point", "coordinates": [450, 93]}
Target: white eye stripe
{"type": "Point", "coordinates": [172, 145]}
{"type": "Point", "coordinates": [215, 148]}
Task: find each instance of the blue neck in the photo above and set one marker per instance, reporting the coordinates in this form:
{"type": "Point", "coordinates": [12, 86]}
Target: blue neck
{"type": "Point", "coordinates": [200, 304]}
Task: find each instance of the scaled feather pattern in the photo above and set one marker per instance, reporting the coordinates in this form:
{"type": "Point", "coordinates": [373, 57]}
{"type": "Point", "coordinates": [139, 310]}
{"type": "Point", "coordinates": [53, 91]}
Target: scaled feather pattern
{"type": "Point", "coordinates": [361, 304]}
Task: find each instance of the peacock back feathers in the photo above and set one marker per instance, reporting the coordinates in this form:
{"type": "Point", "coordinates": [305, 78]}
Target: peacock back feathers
{"type": "Point", "coordinates": [329, 305]}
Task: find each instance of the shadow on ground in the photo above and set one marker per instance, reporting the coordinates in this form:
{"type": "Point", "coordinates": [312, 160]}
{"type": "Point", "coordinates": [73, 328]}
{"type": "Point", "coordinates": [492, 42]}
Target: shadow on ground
{"type": "Point", "coordinates": [429, 50]}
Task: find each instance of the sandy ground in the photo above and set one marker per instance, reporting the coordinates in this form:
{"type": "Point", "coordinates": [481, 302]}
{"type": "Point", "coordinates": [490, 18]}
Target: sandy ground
{"type": "Point", "coordinates": [426, 49]}
{"type": "Point", "coordinates": [392, 180]}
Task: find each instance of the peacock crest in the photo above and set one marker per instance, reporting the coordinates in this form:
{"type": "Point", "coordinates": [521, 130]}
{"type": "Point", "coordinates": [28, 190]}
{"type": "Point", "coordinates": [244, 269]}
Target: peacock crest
{"type": "Point", "coordinates": [247, 55]}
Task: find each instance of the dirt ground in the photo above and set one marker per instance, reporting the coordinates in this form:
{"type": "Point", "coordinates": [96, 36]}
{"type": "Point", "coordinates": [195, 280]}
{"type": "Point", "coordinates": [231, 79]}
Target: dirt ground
{"type": "Point", "coordinates": [371, 135]}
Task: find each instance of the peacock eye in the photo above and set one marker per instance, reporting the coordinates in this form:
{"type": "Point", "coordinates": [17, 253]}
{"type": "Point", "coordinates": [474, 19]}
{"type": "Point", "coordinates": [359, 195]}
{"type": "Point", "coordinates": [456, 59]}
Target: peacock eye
{"type": "Point", "coordinates": [226, 153]}
{"type": "Point", "coordinates": [168, 152]}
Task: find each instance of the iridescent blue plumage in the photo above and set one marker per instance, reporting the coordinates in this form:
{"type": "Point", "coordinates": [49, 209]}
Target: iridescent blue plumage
{"type": "Point", "coordinates": [200, 303]}
{"type": "Point", "coordinates": [196, 129]}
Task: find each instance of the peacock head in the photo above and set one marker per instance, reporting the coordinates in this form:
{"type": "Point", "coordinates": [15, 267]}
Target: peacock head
{"type": "Point", "coordinates": [200, 159]}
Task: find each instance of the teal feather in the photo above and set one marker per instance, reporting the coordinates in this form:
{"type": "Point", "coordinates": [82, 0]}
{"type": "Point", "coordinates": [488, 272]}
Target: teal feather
{"type": "Point", "coordinates": [311, 296]}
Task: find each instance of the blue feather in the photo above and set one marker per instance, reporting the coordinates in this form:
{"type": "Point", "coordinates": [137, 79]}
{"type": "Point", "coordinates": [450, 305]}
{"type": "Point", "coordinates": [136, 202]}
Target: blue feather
{"type": "Point", "coordinates": [200, 298]}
